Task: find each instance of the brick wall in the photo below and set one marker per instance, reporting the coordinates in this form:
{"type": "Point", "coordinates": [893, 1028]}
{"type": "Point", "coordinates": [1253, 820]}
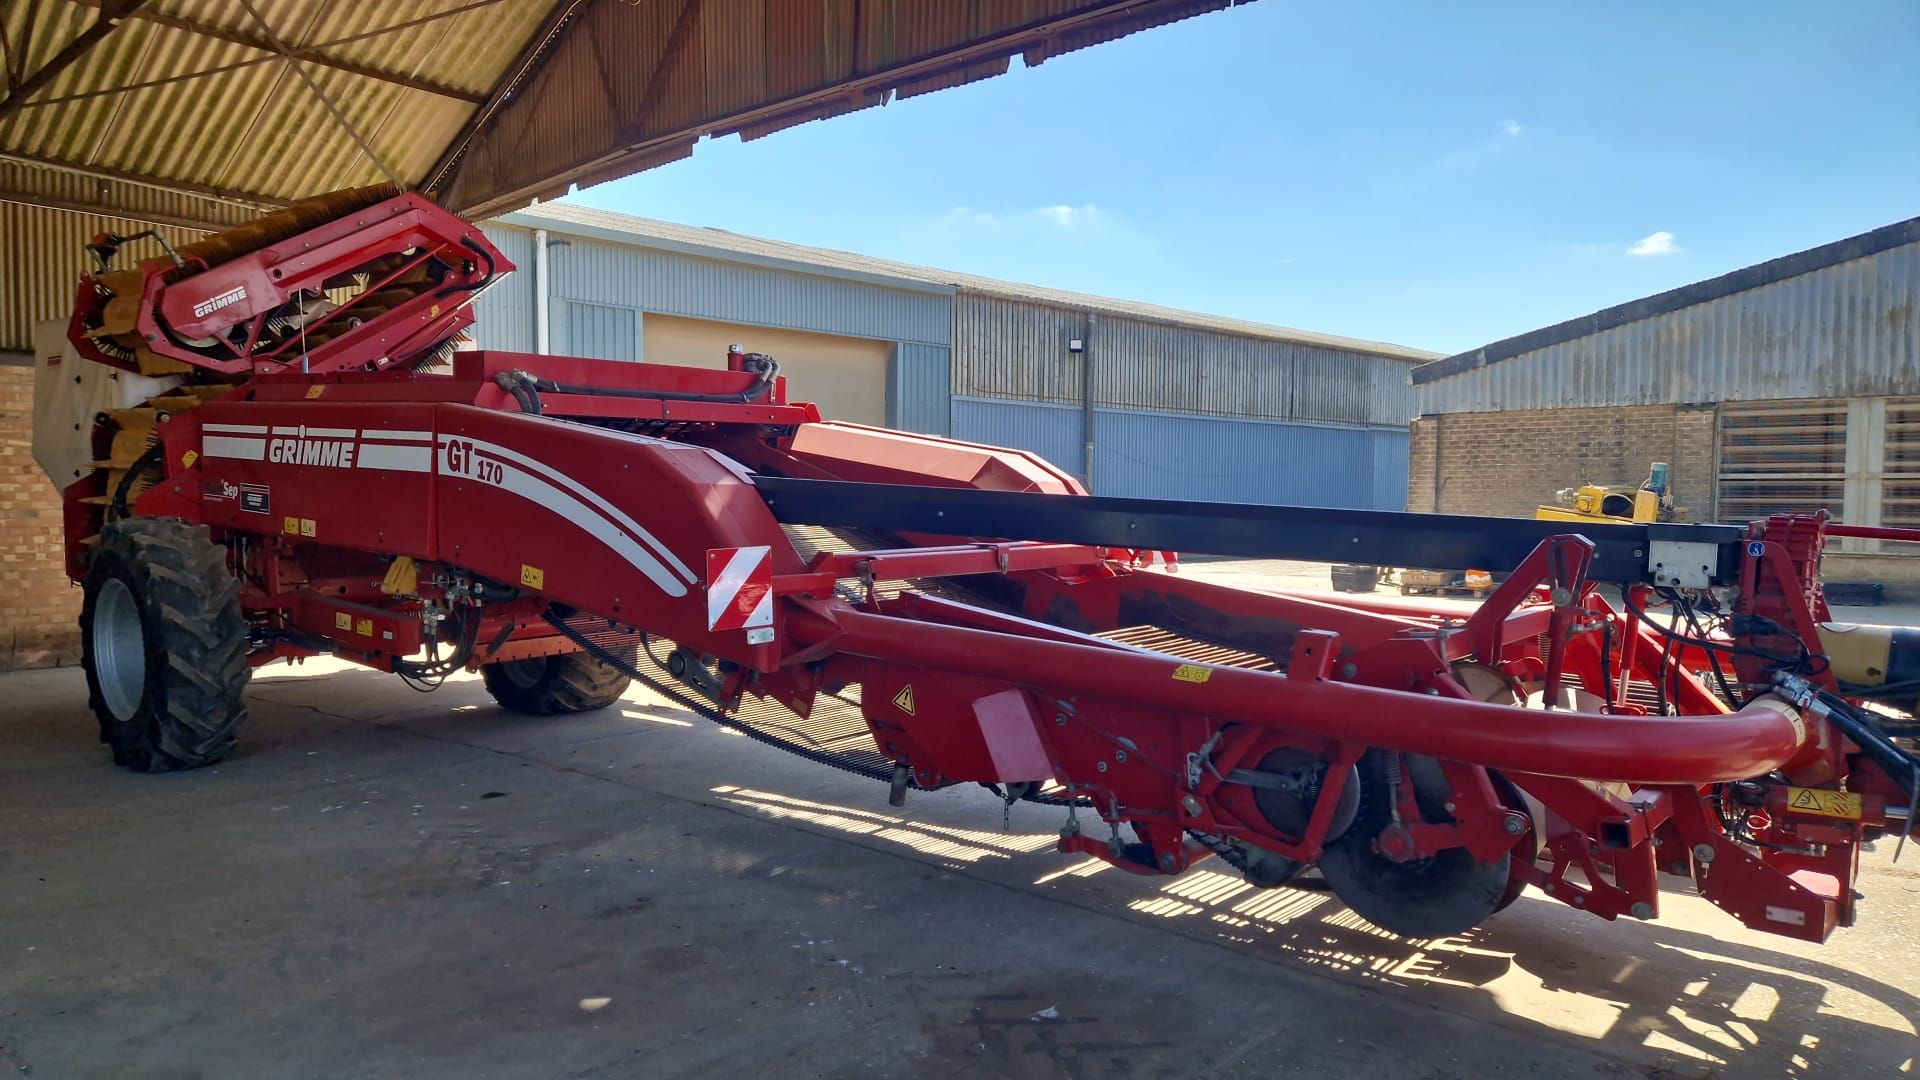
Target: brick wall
{"type": "Point", "coordinates": [39, 610]}
{"type": "Point", "coordinates": [1506, 463]}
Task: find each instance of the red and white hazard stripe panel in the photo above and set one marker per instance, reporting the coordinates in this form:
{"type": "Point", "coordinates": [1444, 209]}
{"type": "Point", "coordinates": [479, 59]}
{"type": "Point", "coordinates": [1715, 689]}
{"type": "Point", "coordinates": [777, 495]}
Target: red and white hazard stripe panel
{"type": "Point", "coordinates": [739, 588]}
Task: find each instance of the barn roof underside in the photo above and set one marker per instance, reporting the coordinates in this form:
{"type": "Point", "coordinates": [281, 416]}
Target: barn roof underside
{"type": "Point", "coordinates": [205, 112]}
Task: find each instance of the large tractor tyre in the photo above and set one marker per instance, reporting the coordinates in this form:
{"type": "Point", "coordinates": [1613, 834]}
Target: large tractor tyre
{"type": "Point", "coordinates": [164, 645]}
{"type": "Point", "coordinates": [545, 685]}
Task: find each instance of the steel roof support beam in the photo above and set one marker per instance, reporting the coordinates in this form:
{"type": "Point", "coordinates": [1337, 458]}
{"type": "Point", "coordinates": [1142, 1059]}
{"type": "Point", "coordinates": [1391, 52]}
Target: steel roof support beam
{"type": "Point", "coordinates": [252, 200]}
{"type": "Point", "coordinates": [316, 55]}
{"type": "Point", "coordinates": [631, 146]}
{"type": "Point", "coordinates": [332, 110]}
{"type": "Point", "coordinates": [111, 12]}
{"type": "Point", "coordinates": [103, 209]}
{"type": "Point", "coordinates": [516, 74]}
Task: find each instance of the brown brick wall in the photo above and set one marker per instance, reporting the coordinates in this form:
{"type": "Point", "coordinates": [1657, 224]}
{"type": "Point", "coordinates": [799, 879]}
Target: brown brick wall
{"type": "Point", "coordinates": [1507, 463]}
{"type": "Point", "coordinates": [39, 610]}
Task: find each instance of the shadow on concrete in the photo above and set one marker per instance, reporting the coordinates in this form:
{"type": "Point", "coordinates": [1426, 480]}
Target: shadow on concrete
{"type": "Point", "coordinates": [1640, 991]}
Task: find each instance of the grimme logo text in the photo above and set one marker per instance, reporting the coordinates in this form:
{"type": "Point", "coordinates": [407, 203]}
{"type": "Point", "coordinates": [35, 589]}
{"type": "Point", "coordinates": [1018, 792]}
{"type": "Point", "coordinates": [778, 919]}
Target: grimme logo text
{"type": "Point", "coordinates": [337, 453]}
{"type": "Point", "coordinates": [232, 296]}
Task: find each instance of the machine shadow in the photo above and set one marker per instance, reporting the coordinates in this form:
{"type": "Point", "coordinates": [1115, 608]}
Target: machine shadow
{"type": "Point", "coordinates": [1640, 990]}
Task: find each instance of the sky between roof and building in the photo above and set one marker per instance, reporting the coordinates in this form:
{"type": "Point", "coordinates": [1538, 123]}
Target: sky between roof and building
{"type": "Point", "coordinates": [1437, 176]}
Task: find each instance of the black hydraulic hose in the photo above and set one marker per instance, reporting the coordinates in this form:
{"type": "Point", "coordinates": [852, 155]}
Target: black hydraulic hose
{"type": "Point", "coordinates": [150, 459]}
{"type": "Point", "coordinates": [768, 371]}
{"type": "Point", "coordinates": [522, 386]}
{"type": "Point", "coordinates": [1899, 765]}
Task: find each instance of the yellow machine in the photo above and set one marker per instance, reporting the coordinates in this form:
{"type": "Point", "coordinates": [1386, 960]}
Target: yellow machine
{"type": "Point", "coordinates": [1651, 501]}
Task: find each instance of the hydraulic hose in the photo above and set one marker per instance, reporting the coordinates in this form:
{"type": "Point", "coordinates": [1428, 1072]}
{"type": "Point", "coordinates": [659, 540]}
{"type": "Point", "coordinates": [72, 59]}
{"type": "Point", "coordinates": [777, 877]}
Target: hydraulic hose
{"type": "Point", "coordinates": [768, 370]}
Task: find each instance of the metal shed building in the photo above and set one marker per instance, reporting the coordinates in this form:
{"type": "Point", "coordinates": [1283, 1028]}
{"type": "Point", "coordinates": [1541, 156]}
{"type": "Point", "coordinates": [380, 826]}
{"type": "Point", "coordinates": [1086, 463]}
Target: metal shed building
{"type": "Point", "coordinates": [1790, 385]}
{"type": "Point", "coordinates": [1171, 404]}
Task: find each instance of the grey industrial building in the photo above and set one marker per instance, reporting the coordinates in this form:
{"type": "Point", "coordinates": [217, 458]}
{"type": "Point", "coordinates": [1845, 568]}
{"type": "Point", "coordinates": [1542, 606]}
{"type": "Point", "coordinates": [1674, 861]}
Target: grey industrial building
{"type": "Point", "coordinates": [1793, 385]}
{"type": "Point", "coordinates": [1173, 404]}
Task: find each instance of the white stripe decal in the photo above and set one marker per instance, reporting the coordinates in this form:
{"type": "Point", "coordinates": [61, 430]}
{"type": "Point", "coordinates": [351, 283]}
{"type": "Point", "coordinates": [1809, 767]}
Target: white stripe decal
{"type": "Point", "coordinates": [586, 493]}
{"type": "Point", "coordinates": [399, 458]}
{"type": "Point", "coordinates": [726, 586]}
{"type": "Point", "coordinates": [278, 430]}
{"type": "Point", "coordinates": [221, 446]}
{"type": "Point", "coordinates": [397, 436]}
{"type": "Point", "coordinates": [762, 611]}
{"type": "Point", "coordinates": [236, 429]}
{"type": "Point", "coordinates": [326, 432]}
{"type": "Point", "coordinates": [538, 491]}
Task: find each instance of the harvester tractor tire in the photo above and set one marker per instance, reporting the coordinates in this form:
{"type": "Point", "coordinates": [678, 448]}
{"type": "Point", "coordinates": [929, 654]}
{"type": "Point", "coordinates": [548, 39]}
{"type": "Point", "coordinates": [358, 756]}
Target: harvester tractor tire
{"type": "Point", "coordinates": [164, 645]}
{"type": "Point", "coordinates": [547, 685]}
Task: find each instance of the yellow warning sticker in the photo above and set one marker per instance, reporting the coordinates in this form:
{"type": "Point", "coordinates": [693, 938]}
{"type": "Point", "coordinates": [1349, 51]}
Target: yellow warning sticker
{"type": "Point", "coordinates": [533, 577]}
{"type": "Point", "coordinates": [1840, 804]}
{"type": "Point", "coordinates": [342, 621]}
{"type": "Point", "coordinates": [187, 459]}
{"type": "Point", "coordinates": [292, 526]}
{"type": "Point", "coordinates": [1192, 673]}
{"type": "Point", "coordinates": [316, 391]}
{"type": "Point", "coordinates": [307, 527]}
{"type": "Point", "coordinates": [364, 627]}
{"type": "Point", "coordinates": [904, 699]}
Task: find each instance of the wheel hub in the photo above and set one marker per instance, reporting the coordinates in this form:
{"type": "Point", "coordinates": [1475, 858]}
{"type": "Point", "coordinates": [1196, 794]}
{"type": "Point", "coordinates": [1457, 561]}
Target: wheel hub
{"type": "Point", "coordinates": [119, 649]}
{"type": "Point", "coordinates": [1373, 870]}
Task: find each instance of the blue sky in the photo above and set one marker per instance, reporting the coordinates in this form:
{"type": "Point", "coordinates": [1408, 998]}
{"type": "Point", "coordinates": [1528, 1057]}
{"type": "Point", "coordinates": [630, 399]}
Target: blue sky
{"type": "Point", "coordinates": [1440, 176]}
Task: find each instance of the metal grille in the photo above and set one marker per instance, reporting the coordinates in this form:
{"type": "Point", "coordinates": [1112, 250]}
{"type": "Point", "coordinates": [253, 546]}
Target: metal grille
{"type": "Point", "coordinates": [1198, 650]}
{"type": "Point", "coordinates": [1900, 482]}
{"type": "Point", "coordinates": [1782, 457]}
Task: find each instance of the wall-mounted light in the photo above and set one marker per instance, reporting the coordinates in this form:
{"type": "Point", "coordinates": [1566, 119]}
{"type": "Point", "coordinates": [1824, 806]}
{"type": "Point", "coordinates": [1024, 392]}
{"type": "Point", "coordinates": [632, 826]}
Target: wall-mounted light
{"type": "Point", "coordinates": [1075, 345]}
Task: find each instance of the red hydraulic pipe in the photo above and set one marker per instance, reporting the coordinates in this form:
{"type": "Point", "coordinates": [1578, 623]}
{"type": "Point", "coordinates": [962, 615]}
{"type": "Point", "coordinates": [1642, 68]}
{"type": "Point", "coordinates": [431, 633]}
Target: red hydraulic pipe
{"type": "Point", "coordinates": [1764, 736]}
{"type": "Point", "coordinates": [1873, 532]}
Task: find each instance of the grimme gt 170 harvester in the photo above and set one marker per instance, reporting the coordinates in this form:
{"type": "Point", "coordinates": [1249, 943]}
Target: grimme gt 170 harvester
{"type": "Point", "coordinates": [321, 470]}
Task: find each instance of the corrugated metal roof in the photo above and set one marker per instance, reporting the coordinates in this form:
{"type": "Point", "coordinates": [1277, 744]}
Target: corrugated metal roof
{"type": "Point", "coordinates": [1850, 328]}
{"type": "Point", "coordinates": [195, 92]}
{"type": "Point", "coordinates": [1673, 300]}
{"type": "Point", "coordinates": [628, 86]}
{"type": "Point", "coordinates": [731, 246]}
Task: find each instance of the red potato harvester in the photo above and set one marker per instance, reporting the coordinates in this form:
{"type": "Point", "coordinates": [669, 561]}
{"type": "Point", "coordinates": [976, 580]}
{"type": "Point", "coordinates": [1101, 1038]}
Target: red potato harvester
{"type": "Point", "coordinates": [312, 466]}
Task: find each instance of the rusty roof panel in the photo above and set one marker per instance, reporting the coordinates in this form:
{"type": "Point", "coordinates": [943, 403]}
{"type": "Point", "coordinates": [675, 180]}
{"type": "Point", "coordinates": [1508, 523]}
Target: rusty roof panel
{"type": "Point", "coordinates": [194, 91]}
{"type": "Point", "coordinates": [675, 70]}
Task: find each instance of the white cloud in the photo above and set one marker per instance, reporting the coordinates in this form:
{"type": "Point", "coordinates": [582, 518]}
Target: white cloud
{"type": "Point", "coordinates": [1660, 243]}
{"type": "Point", "coordinates": [1068, 216]}
{"type": "Point", "coordinates": [1513, 128]}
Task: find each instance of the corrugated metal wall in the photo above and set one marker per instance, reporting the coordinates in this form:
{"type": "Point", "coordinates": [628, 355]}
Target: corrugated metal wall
{"type": "Point", "coordinates": [1160, 455]}
{"type": "Point", "coordinates": [917, 388]}
{"type": "Point", "coordinates": [601, 288]}
{"type": "Point", "coordinates": [602, 273]}
{"type": "Point", "coordinates": [505, 310]}
{"type": "Point", "coordinates": [1052, 431]}
{"type": "Point", "coordinates": [1182, 411]}
{"type": "Point", "coordinates": [1847, 330]}
{"type": "Point", "coordinates": [1015, 349]}
{"type": "Point", "coordinates": [45, 260]}
{"type": "Point", "coordinates": [601, 331]}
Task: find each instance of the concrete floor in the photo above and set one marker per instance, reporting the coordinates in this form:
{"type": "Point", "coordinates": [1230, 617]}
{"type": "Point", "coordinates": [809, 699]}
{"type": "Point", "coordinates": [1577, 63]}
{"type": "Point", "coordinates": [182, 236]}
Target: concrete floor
{"type": "Point", "coordinates": [382, 884]}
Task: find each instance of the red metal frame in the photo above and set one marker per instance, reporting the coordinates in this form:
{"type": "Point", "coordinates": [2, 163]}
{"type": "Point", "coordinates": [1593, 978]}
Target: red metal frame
{"type": "Point", "coordinates": [609, 501]}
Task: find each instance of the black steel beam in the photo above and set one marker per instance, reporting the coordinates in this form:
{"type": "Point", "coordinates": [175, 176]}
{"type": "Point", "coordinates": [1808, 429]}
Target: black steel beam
{"type": "Point", "coordinates": [1311, 533]}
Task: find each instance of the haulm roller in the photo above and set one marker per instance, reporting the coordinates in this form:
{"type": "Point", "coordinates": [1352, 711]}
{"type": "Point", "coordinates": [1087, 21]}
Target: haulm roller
{"type": "Point", "coordinates": [316, 465]}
